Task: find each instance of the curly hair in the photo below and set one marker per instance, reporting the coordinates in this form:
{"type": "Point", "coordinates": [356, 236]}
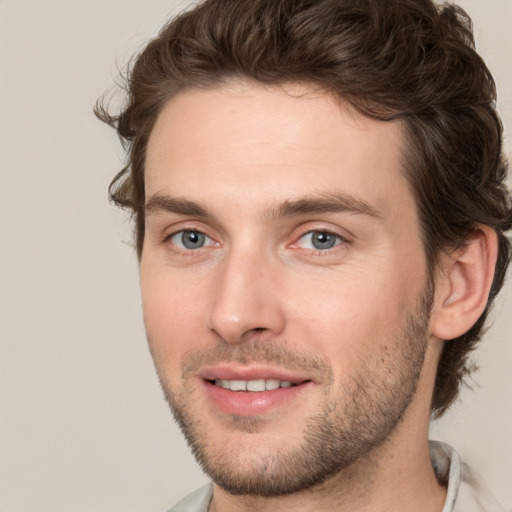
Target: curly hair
{"type": "Point", "coordinates": [391, 59]}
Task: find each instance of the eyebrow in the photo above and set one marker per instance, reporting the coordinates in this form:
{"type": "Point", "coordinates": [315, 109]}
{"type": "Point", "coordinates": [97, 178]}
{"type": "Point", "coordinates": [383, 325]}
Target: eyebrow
{"type": "Point", "coordinates": [317, 204]}
{"type": "Point", "coordinates": [163, 203]}
{"type": "Point", "coordinates": [325, 203]}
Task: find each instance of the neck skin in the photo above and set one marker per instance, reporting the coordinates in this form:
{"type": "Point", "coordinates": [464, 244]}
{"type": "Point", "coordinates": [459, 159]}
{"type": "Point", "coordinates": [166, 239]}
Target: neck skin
{"type": "Point", "coordinates": [396, 475]}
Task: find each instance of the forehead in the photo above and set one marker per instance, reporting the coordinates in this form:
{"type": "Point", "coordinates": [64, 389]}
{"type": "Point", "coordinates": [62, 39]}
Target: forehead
{"type": "Point", "coordinates": [271, 144]}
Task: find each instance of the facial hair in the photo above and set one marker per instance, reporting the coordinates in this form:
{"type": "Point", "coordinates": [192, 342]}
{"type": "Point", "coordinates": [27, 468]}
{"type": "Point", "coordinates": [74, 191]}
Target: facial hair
{"type": "Point", "coordinates": [351, 424]}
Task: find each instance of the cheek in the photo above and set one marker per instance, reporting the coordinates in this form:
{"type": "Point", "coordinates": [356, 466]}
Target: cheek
{"type": "Point", "coordinates": [349, 318]}
{"type": "Point", "coordinates": [172, 311]}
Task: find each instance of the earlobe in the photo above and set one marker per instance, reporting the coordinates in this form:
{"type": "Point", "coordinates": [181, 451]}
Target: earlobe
{"type": "Point", "coordinates": [463, 284]}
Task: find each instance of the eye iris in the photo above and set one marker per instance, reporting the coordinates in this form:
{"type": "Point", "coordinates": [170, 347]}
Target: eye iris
{"type": "Point", "coordinates": [192, 239]}
{"type": "Point", "coordinates": [322, 240]}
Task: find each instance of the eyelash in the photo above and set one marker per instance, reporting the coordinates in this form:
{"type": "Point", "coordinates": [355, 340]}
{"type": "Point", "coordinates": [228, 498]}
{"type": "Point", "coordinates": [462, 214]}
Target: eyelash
{"type": "Point", "coordinates": [340, 241]}
{"type": "Point", "coordinates": [168, 239]}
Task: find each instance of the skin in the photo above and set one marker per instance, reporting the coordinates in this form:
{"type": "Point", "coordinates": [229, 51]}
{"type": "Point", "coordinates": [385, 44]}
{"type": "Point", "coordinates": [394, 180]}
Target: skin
{"type": "Point", "coordinates": [259, 297]}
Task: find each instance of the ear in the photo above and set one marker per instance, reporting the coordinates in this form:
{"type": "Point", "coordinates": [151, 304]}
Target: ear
{"type": "Point", "coordinates": [463, 284]}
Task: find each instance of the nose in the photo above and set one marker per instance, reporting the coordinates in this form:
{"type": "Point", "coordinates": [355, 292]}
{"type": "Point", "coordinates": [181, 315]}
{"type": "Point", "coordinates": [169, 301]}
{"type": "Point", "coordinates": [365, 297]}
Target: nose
{"type": "Point", "coordinates": [246, 302]}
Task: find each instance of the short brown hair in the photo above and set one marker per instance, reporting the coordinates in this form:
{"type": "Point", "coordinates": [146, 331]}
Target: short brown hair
{"type": "Point", "coordinates": [391, 59]}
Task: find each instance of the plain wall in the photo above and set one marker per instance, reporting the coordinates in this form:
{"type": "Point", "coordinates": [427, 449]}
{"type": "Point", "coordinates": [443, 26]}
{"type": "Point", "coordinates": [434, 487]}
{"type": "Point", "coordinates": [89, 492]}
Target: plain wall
{"type": "Point", "coordinates": [83, 425]}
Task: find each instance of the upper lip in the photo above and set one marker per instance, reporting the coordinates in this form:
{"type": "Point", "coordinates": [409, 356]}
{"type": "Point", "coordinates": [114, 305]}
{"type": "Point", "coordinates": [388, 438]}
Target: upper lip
{"type": "Point", "coordinates": [230, 371]}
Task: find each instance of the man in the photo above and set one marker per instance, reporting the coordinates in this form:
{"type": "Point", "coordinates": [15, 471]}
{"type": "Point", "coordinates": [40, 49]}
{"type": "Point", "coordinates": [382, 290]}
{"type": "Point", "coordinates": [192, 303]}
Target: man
{"type": "Point", "coordinates": [320, 211]}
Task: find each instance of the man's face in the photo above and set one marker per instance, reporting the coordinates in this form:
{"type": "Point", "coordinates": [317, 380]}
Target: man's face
{"type": "Point", "coordinates": [283, 282]}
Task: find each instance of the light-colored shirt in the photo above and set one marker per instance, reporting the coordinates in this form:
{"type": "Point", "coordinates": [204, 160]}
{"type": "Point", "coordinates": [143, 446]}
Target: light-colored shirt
{"type": "Point", "coordinates": [463, 493]}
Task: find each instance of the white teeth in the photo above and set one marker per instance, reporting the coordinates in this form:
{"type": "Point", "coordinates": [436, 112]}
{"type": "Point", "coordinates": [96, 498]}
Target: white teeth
{"type": "Point", "coordinates": [253, 385]}
{"type": "Point", "coordinates": [271, 384]}
{"type": "Point", "coordinates": [238, 385]}
{"type": "Point", "coordinates": [222, 383]}
{"type": "Point", "coordinates": [256, 385]}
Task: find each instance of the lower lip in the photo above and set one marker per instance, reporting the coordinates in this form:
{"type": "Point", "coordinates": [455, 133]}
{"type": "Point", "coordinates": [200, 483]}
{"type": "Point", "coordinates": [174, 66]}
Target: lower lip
{"type": "Point", "coordinates": [252, 403]}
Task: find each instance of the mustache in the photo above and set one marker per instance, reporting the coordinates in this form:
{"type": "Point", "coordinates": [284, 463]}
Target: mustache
{"type": "Point", "coordinates": [262, 352]}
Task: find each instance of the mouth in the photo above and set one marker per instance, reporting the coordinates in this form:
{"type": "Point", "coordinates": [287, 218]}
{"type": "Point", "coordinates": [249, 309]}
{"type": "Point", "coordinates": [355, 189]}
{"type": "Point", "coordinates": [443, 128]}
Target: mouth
{"type": "Point", "coordinates": [244, 391]}
{"type": "Point", "coordinates": [257, 385]}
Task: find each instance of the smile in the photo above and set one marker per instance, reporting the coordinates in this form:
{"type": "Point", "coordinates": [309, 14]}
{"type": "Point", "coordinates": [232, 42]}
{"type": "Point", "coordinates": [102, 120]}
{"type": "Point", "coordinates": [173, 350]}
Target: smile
{"type": "Point", "coordinates": [253, 391]}
{"type": "Point", "coordinates": [257, 385]}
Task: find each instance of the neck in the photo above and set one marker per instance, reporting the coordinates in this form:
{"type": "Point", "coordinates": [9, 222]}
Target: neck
{"type": "Point", "coordinates": [396, 475]}
{"type": "Point", "coordinates": [403, 480]}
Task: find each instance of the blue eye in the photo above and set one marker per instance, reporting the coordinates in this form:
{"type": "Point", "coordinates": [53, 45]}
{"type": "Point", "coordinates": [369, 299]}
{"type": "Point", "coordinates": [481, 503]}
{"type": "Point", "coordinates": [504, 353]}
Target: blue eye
{"type": "Point", "coordinates": [190, 239]}
{"type": "Point", "coordinates": [320, 240]}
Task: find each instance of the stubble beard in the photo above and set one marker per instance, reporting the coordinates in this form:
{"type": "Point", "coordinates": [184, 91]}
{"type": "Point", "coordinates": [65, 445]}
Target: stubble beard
{"type": "Point", "coordinates": [349, 427]}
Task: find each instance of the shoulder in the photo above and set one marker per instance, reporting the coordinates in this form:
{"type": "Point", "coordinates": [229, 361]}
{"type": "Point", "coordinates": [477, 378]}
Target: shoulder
{"type": "Point", "coordinates": [464, 492]}
{"type": "Point", "coordinates": [198, 501]}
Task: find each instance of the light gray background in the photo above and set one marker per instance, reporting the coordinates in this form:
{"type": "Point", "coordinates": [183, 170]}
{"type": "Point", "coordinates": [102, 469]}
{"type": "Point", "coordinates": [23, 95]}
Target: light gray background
{"type": "Point", "coordinates": [83, 426]}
